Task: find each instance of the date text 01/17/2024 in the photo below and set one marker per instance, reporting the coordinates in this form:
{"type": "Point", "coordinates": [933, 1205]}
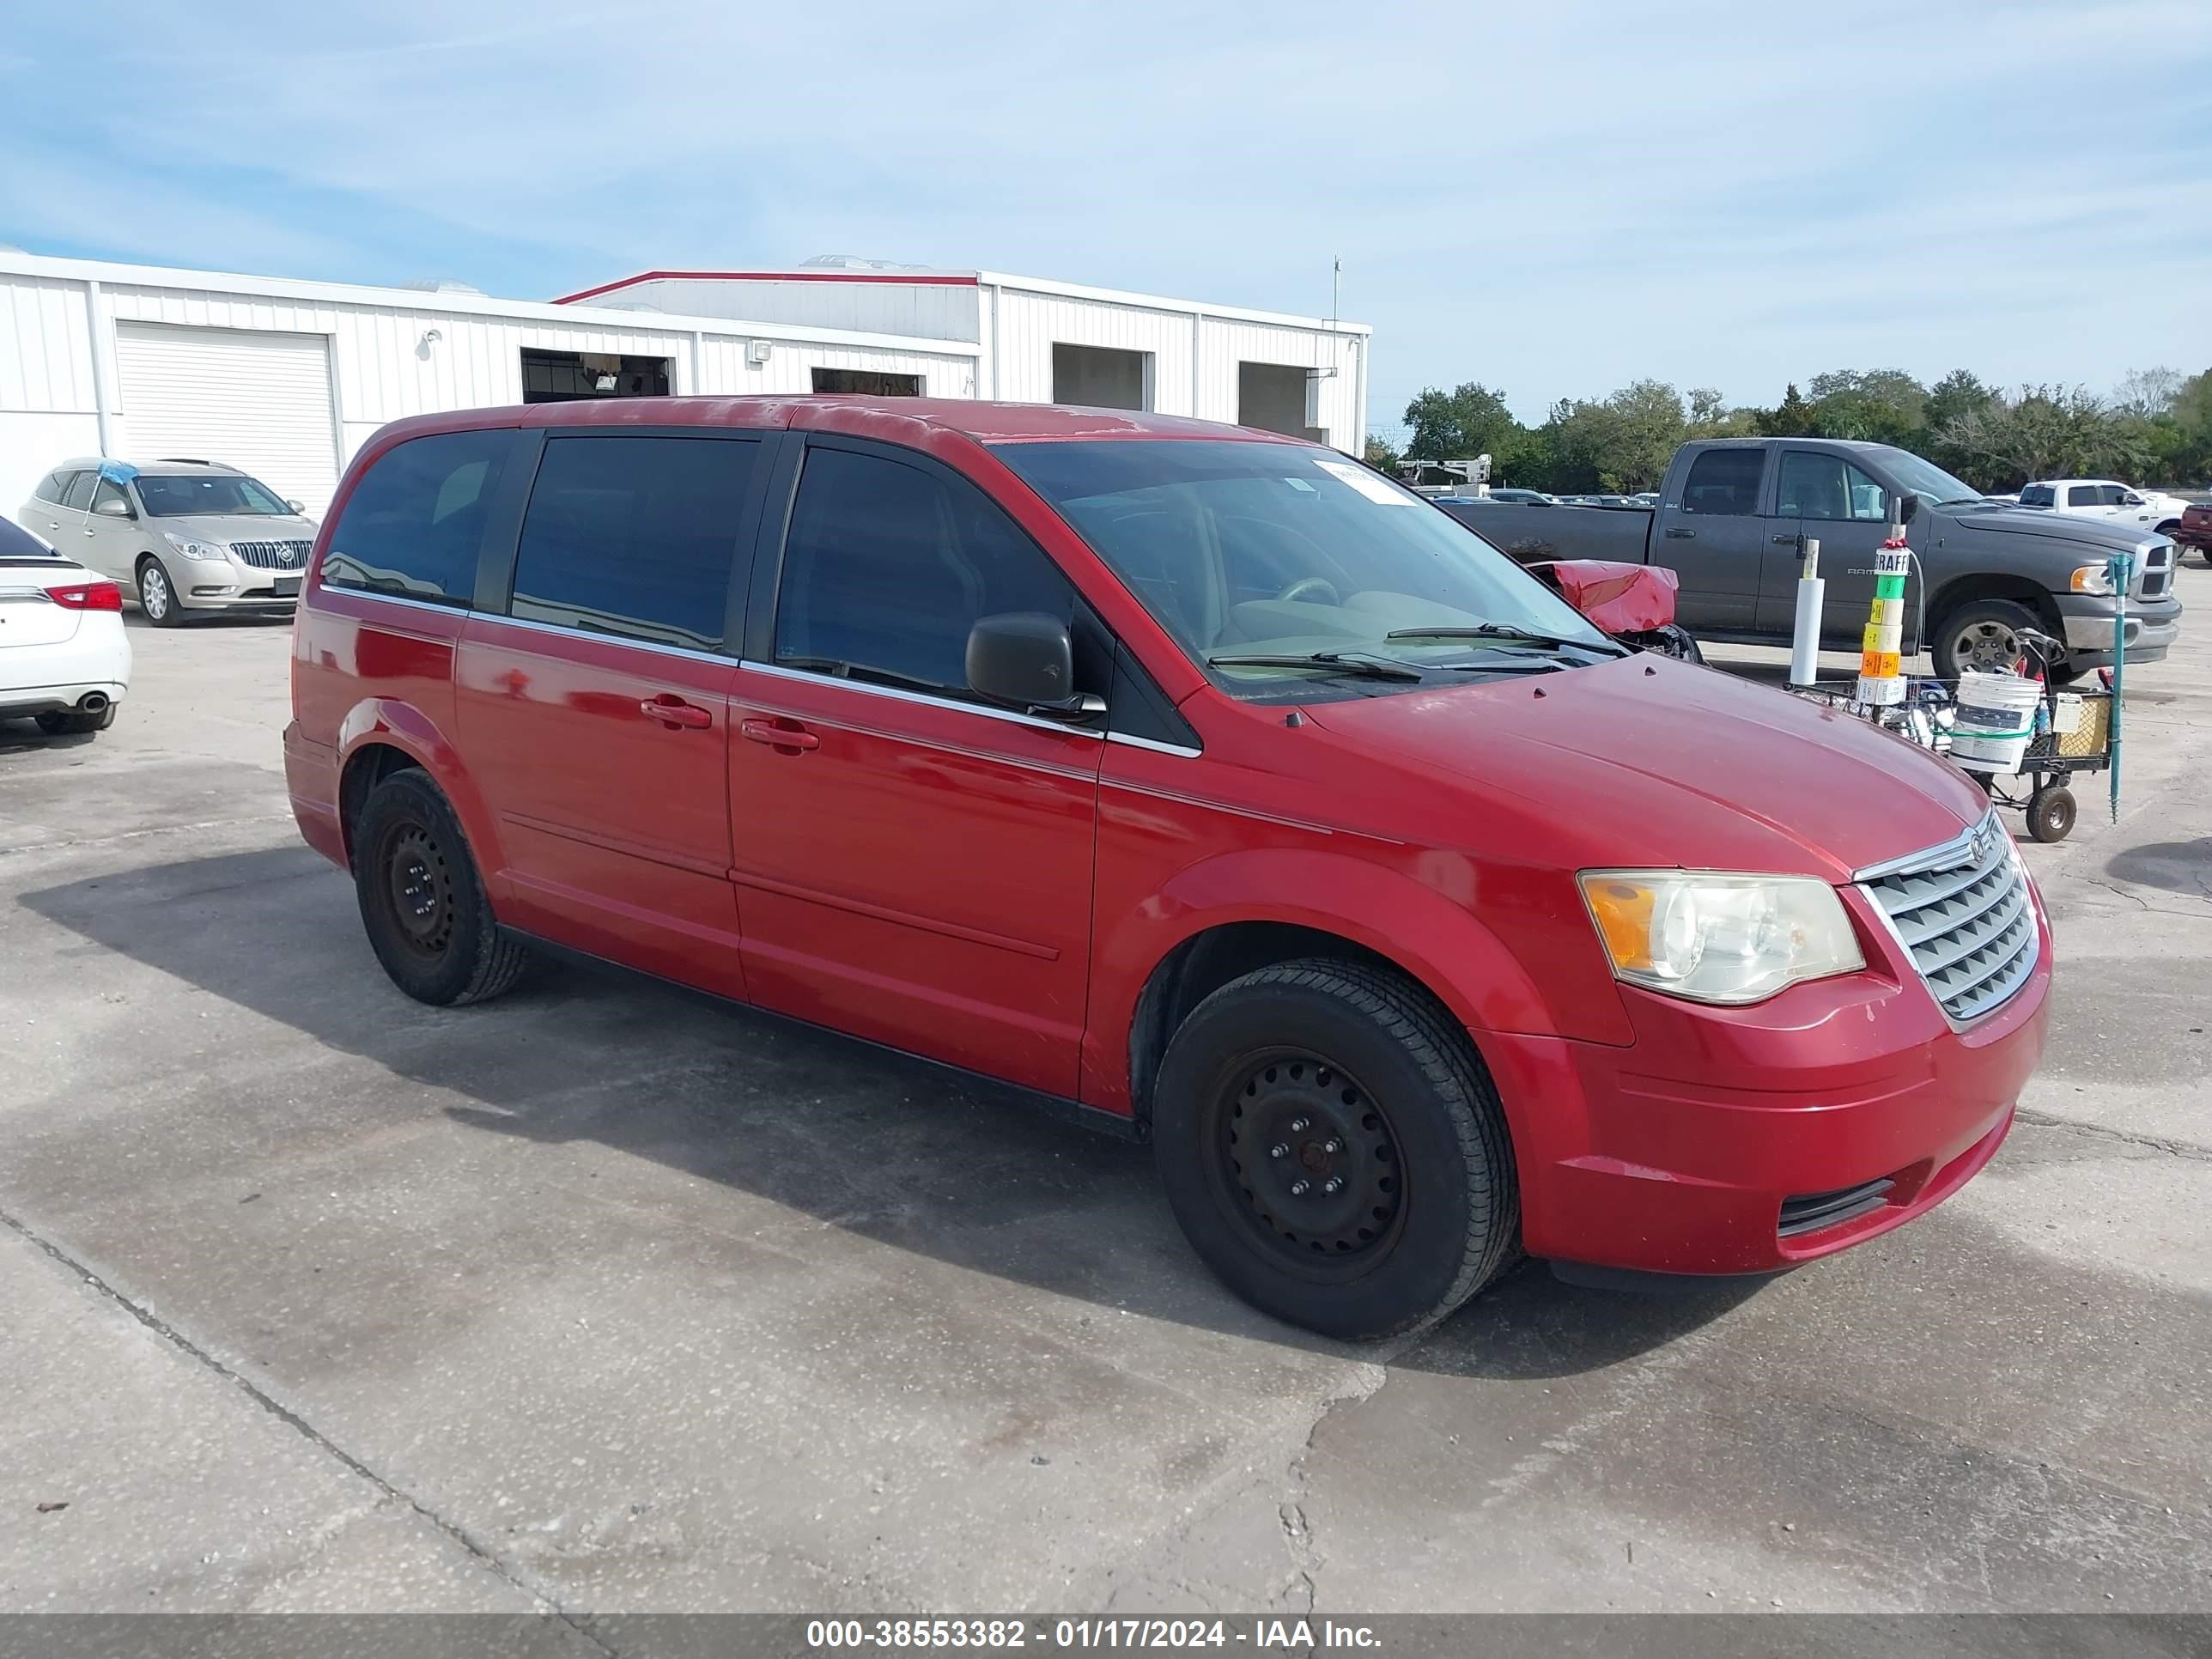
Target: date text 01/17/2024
{"type": "Point", "coordinates": [1286, 1635]}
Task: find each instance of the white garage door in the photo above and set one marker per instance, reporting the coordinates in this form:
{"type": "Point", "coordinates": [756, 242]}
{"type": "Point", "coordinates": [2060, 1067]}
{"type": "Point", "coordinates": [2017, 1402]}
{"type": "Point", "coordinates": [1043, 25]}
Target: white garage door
{"type": "Point", "coordinates": [258, 402]}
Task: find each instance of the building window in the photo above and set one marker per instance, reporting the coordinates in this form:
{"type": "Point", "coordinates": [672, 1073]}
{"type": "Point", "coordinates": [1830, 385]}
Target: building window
{"type": "Point", "coordinates": [867, 383]}
{"type": "Point", "coordinates": [1272, 397]}
{"type": "Point", "coordinates": [1100, 377]}
{"type": "Point", "coordinates": [567, 377]}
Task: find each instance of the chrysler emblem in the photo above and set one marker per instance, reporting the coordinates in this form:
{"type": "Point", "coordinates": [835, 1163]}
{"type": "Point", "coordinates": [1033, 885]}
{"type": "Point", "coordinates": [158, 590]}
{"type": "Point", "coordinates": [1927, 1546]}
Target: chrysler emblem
{"type": "Point", "coordinates": [1978, 849]}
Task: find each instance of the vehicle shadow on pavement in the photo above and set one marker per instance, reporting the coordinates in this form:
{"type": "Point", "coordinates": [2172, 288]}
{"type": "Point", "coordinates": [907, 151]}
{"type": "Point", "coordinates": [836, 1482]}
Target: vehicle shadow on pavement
{"type": "Point", "coordinates": [880, 1146]}
{"type": "Point", "coordinates": [2178, 866]}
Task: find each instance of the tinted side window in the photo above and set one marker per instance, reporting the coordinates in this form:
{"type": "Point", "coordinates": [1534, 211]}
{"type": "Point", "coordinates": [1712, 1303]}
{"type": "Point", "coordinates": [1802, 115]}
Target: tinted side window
{"type": "Point", "coordinates": [413, 524]}
{"type": "Point", "coordinates": [2039, 495]}
{"type": "Point", "coordinates": [1724, 481]}
{"type": "Point", "coordinates": [50, 487]}
{"type": "Point", "coordinates": [78, 496]}
{"type": "Point", "coordinates": [634, 536]}
{"type": "Point", "coordinates": [887, 566]}
{"type": "Point", "coordinates": [2082, 496]}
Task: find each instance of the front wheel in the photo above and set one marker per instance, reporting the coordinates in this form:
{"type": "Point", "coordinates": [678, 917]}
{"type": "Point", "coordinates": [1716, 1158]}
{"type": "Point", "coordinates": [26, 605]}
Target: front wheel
{"type": "Point", "coordinates": [1987, 636]}
{"type": "Point", "coordinates": [157, 595]}
{"type": "Point", "coordinates": [421, 901]}
{"type": "Point", "coordinates": [1334, 1149]}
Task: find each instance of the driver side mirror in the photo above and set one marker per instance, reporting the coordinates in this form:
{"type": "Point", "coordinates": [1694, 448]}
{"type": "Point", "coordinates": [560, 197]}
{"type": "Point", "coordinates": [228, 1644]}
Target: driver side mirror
{"type": "Point", "coordinates": [1024, 658]}
{"type": "Point", "coordinates": [296, 507]}
{"type": "Point", "coordinates": [113, 507]}
{"type": "Point", "coordinates": [1908, 505]}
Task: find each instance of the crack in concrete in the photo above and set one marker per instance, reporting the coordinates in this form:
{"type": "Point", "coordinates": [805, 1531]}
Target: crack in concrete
{"type": "Point", "coordinates": [300, 1425]}
{"type": "Point", "coordinates": [2152, 1143]}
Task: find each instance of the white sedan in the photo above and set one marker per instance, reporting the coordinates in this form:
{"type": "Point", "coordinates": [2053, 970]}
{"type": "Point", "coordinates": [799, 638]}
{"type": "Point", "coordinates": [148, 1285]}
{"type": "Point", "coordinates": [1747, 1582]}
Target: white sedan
{"type": "Point", "coordinates": [64, 659]}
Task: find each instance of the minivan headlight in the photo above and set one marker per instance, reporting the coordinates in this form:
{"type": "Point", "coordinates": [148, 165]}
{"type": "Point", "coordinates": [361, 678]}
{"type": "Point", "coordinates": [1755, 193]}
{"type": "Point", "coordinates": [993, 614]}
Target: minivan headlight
{"type": "Point", "coordinates": [1719, 939]}
{"type": "Point", "coordinates": [208, 552]}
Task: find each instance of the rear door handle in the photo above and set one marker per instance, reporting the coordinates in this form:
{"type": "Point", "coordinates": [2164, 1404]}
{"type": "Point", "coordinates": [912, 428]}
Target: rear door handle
{"type": "Point", "coordinates": [778, 737]}
{"type": "Point", "coordinates": [1677, 530]}
{"type": "Point", "coordinates": [674, 712]}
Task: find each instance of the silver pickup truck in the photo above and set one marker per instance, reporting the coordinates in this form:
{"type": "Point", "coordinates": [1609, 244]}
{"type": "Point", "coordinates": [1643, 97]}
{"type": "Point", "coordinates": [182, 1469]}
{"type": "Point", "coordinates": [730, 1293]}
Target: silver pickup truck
{"type": "Point", "coordinates": [1734, 513]}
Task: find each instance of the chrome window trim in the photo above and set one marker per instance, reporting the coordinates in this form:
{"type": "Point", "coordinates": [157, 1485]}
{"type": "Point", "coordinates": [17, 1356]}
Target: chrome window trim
{"type": "Point", "coordinates": [565, 631]}
{"type": "Point", "coordinates": [900, 694]}
{"type": "Point", "coordinates": [445, 607]}
{"type": "Point", "coordinates": [1183, 750]}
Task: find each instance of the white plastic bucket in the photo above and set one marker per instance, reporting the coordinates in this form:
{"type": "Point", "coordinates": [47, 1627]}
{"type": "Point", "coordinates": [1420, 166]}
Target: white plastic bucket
{"type": "Point", "coordinates": [1994, 721]}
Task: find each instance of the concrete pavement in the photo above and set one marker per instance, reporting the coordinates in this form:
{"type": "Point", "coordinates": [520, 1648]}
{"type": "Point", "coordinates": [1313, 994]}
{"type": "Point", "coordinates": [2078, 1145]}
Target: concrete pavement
{"type": "Point", "coordinates": [601, 1299]}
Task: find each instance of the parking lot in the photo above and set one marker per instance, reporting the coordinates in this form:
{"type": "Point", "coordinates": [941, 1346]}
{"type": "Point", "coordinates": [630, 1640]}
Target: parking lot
{"type": "Point", "coordinates": [602, 1298]}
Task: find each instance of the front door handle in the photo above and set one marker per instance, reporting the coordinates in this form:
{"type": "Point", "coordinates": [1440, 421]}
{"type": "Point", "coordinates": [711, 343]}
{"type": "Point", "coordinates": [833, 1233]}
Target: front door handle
{"type": "Point", "coordinates": [1789, 541]}
{"type": "Point", "coordinates": [1679, 530]}
{"type": "Point", "coordinates": [674, 712]}
{"type": "Point", "coordinates": [790, 738]}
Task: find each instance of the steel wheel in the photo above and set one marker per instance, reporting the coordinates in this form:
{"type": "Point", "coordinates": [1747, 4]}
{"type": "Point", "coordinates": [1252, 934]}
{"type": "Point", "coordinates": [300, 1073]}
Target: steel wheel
{"type": "Point", "coordinates": [417, 890]}
{"type": "Point", "coordinates": [1310, 1165]}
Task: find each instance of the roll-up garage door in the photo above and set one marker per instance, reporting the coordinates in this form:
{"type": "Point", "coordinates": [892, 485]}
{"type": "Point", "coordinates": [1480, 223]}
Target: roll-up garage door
{"type": "Point", "coordinates": [258, 402]}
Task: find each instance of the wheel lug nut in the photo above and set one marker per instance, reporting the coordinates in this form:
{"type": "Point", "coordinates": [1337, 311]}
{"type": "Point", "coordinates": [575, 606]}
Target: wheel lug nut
{"type": "Point", "coordinates": [1298, 1189]}
{"type": "Point", "coordinates": [1333, 1184]}
{"type": "Point", "coordinates": [1279, 1151]}
{"type": "Point", "coordinates": [1334, 1146]}
{"type": "Point", "coordinates": [1297, 1126]}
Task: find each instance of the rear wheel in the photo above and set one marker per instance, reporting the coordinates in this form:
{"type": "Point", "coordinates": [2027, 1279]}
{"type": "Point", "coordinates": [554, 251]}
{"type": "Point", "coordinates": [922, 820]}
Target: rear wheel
{"type": "Point", "coordinates": [61, 722]}
{"type": "Point", "coordinates": [157, 594]}
{"type": "Point", "coordinates": [1334, 1149]}
{"type": "Point", "coordinates": [1985, 635]}
{"type": "Point", "coordinates": [421, 901]}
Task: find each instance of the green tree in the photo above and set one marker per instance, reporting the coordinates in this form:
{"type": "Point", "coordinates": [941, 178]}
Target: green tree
{"type": "Point", "coordinates": [1469, 420]}
{"type": "Point", "coordinates": [1791, 418]}
{"type": "Point", "coordinates": [1881, 405]}
{"type": "Point", "coordinates": [1379, 455]}
{"type": "Point", "coordinates": [2043, 432]}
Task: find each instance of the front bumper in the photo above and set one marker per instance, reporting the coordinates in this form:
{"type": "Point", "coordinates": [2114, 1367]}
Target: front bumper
{"type": "Point", "coordinates": [2152, 629]}
{"type": "Point", "coordinates": [1676, 1154]}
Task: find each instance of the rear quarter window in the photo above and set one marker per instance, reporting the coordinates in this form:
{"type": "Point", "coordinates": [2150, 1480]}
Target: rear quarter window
{"type": "Point", "coordinates": [414, 525]}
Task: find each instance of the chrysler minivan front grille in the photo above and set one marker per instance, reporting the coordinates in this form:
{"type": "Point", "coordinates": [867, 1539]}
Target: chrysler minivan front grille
{"type": "Point", "coordinates": [1964, 912]}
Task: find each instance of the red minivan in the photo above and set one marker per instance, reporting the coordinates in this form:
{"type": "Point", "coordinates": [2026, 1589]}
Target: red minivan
{"type": "Point", "coordinates": [1201, 780]}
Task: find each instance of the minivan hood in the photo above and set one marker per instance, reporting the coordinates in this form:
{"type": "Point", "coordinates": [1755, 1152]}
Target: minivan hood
{"type": "Point", "coordinates": [1647, 761]}
{"type": "Point", "coordinates": [2107, 535]}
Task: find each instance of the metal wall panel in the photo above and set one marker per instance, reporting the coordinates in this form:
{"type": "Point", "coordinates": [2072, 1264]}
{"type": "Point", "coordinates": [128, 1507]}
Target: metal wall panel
{"type": "Point", "coordinates": [1028, 324]}
{"type": "Point", "coordinates": [46, 349]}
{"type": "Point", "coordinates": [1222, 345]}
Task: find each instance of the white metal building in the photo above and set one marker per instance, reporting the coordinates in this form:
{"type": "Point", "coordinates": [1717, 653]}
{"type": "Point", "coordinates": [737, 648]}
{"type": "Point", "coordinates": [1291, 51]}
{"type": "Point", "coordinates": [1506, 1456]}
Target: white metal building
{"type": "Point", "coordinates": [1047, 342]}
{"type": "Point", "coordinates": [286, 379]}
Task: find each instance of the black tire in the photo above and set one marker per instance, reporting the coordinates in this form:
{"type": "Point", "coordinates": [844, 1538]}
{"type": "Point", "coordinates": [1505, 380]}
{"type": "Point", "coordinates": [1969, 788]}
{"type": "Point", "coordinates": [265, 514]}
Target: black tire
{"type": "Point", "coordinates": [1358, 1078]}
{"type": "Point", "coordinates": [422, 902]}
{"type": "Point", "coordinates": [1676, 640]}
{"type": "Point", "coordinates": [1984, 634]}
{"type": "Point", "coordinates": [63, 722]}
{"type": "Point", "coordinates": [157, 594]}
{"type": "Point", "coordinates": [2051, 812]}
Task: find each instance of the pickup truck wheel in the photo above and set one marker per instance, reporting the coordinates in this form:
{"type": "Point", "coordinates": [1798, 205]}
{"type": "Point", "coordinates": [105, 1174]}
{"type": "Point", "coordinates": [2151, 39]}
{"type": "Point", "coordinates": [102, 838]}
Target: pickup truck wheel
{"type": "Point", "coordinates": [1985, 636]}
{"type": "Point", "coordinates": [1334, 1149]}
{"type": "Point", "coordinates": [422, 902]}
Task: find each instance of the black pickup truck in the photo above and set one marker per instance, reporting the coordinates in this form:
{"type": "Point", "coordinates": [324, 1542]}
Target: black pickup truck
{"type": "Point", "coordinates": [1733, 512]}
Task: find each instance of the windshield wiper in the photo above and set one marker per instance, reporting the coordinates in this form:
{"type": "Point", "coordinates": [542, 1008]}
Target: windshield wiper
{"type": "Point", "coordinates": [1500, 631]}
{"type": "Point", "coordinates": [1373, 668]}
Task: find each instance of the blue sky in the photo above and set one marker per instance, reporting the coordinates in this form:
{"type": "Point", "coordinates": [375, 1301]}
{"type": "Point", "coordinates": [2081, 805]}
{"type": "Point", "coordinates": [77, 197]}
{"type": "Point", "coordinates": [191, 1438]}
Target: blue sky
{"type": "Point", "coordinates": [1552, 197]}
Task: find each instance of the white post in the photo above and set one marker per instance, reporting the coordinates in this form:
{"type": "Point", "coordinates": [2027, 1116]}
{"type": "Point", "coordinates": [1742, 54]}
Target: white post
{"type": "Point", "coordinates": [1805, 637]}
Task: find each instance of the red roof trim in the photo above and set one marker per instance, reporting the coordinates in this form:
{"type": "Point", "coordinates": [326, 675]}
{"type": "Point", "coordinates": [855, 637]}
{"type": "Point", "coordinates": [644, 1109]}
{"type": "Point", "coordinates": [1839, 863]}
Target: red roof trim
{"type": "Point", "coordinates": [919, 279]}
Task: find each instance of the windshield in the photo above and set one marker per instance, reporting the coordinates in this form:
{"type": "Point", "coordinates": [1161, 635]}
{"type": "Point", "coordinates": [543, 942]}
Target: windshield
{"type": "Point", "coordinates": [1925, 478]}
{"type": "Point", "coordinates": [1248, 549]}
{"type": "Point", "coordinates": [175, 495]}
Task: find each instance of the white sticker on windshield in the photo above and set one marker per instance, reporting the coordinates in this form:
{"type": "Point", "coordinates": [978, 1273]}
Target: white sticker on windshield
{"type": "Point", "coordinates": [1367, 483]}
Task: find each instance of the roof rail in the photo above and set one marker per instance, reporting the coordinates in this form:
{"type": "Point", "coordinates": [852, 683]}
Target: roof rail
{"type": "Point", "coordinates": [185, 460]}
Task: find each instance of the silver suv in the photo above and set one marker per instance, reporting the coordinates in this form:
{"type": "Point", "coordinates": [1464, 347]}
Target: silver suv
{"type": "Point", "coordinates": [183, 535]}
